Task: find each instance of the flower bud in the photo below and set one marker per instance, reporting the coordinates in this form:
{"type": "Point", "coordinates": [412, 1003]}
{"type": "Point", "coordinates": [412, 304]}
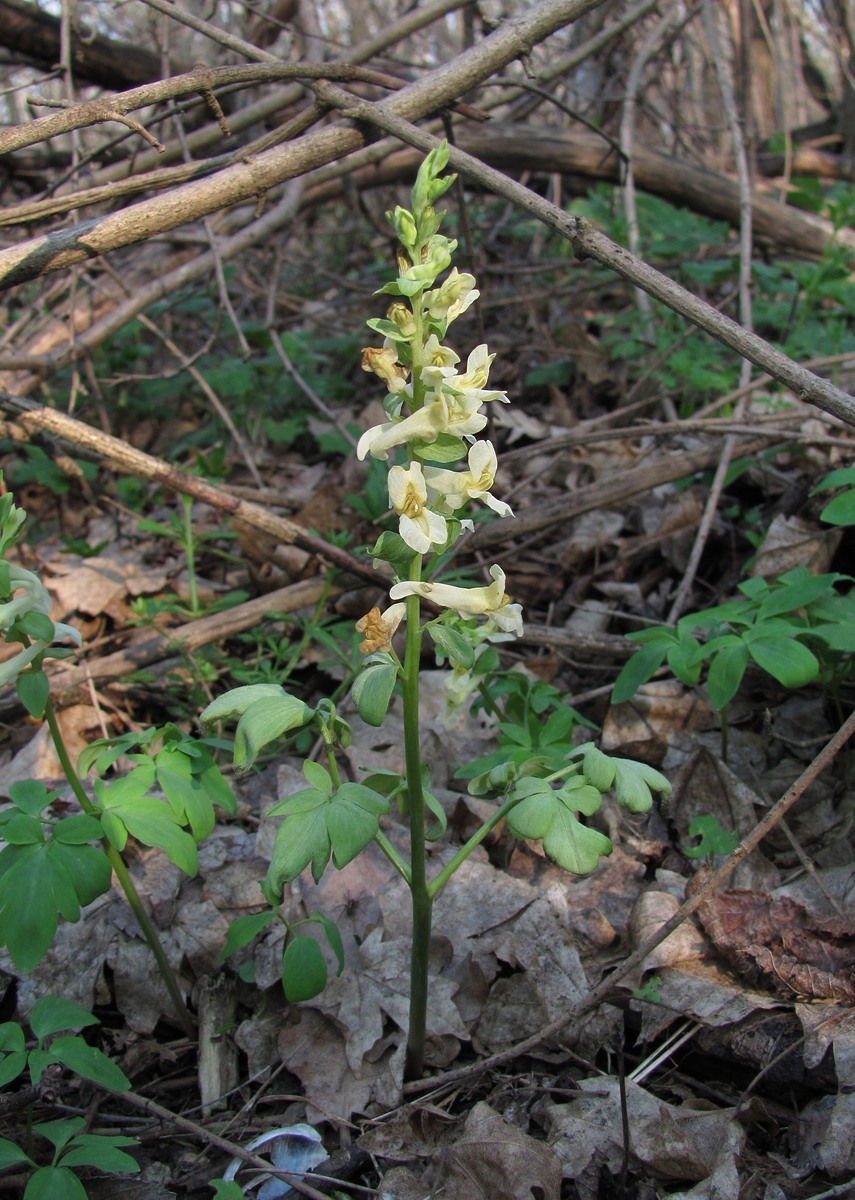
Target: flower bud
{"type": "Point", "coordinates": [402, 316]}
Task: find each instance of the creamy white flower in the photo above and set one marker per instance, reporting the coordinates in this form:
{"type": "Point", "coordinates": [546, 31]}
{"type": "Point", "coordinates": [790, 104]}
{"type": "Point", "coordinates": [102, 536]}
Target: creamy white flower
{"type": "Point", "coordinates": [459, 686]}
{"type": "Point", "coordinates": [472, 383]}
{"type": "Point", "coordinates": [491, 601]}
{"type": "Point", "coordinates": [435, 354]}
{"type": "Point", "coordinates": [454, 488]}
{"type": "Point", "coordinates": [419, 526]}
{"type": "Point", "coordinates": [34, 599]}
{"type": "Point", "coordinates": [445, 414]}
{"type": "Point", "coordinates": [463, 417]}
{"type": "Point", "coordinates": [453, 297]}
{"type": "Point", "coordinates": [423, 425]}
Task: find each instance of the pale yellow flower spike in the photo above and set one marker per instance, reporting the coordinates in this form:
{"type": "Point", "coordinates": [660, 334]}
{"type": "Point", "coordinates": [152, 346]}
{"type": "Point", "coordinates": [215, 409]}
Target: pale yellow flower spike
{"type": "Point", "coordinates": [491, 601]}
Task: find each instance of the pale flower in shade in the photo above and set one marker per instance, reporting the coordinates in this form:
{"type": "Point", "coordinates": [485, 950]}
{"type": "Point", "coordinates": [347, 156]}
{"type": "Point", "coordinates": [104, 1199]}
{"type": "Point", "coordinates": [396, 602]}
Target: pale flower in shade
{"type": "Point", "coordinates": [379, 628]}
{"type": "Point", "coordinates": [491, 601]}
{"type": "Point", "coordinates": [418, 525]}
{"type": "Point", "coordinates": [445, 414]}
{"type": "Point", "coordinates": [435, 354]}
{"type": "Point", "coordinates": [34, 599]}
{"type": "Point", "coordinates": [473, 382]}
{"type": "Point", "coordinates": [454, 488]}
{"type": "Point", "coordinates": [453, 297]}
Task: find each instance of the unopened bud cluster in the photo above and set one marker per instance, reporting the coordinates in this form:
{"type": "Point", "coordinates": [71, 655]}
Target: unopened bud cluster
{"type": "Point", "coordinates": [435, 409]}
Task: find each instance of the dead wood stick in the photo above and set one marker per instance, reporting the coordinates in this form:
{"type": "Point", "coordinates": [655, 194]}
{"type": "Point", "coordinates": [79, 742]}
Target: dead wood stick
{"type": "Point", "coordinates": [604, 989]}
{"type": "Point", "coordinates": [246, 181]}
{"type": "Point", "coordinates": [36, 417]}
{"type": "Point", "coordinates": [587, 242]}
{"type": "Point", "coordinates": [701, 189]}
{"type": "Point", "coordinates": [605, 493]}
{"type": "Point", "coordinates": [191, 636]}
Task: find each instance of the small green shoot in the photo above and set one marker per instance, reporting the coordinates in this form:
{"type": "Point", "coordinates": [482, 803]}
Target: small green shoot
{"type": "Point", "coordinates": [714, 840]}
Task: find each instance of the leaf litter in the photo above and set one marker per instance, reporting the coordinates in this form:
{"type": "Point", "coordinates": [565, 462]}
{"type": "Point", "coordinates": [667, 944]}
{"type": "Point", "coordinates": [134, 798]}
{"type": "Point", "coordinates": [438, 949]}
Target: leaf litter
{"type": "Point", "coordinates": [517, 943]}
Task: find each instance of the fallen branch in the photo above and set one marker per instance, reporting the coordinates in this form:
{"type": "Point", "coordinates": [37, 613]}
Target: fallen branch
{"type": "Point", "coordinates": [587, 242]}
{"type": "Point", "coordinates": [34, 417]}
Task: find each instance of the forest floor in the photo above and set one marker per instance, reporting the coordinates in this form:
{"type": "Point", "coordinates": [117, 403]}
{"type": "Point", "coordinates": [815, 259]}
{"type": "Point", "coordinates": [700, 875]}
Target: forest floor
{"type": "Point", "coordinates": [723, 1064]}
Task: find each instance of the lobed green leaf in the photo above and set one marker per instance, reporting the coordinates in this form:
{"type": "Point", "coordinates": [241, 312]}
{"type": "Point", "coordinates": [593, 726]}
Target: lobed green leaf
{"type": "Point", "coordinates": [52, 1014]}
{"type": "Point", "coordinates": [88, 1062]}
{"type": "Point", "coordinates": [304, 969]}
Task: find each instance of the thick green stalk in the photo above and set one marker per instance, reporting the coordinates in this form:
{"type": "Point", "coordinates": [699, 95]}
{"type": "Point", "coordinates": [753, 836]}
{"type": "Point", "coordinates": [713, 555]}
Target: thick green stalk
{"type": "Point", "coordinates": [124, 877]}
{"type": "Point", "coordinates": [421, 898]}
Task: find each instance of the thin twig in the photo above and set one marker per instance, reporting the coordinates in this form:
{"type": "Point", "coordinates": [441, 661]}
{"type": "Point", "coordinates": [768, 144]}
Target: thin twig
{"type": "Point", "coordinates": [206, 1135]}
{"type": "Point", "coordinates": [212, 397]}
{"type": "Point", "coordinates": [309, 391]}
{"type": "Point", "coordinates": [745, 256]}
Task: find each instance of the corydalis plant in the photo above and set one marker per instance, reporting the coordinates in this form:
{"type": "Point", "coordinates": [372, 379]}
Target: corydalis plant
{"type": "Point", "coordinates": [435, 411]}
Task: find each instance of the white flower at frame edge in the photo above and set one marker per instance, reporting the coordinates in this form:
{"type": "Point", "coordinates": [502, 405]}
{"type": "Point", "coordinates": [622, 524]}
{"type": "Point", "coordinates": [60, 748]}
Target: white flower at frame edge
{"type": "Point", "coordinates": [491, 601]}
{"type": "Point", "coordinates": [35, 596]}
{"type": "Point", "coordinates": [418, 525]}
{"type": "Point", "coordinates": [456, 487]}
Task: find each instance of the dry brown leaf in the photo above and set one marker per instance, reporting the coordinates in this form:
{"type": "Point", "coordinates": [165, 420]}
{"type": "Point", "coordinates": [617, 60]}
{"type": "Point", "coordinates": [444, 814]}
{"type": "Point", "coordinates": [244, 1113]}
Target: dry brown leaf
{"type": "Point", "coordinates": [778, 944]}
{"type": "Point", "coordinates": [645, 726]}
{"type": "Point", "coordinates": [494, 1158]}
{"type": "Point", "coordinates": [827, 1026]}
{"type": "Point", "coordinates": [791, 542]}
{"type": "Point", "coordinates": [824, 1136]}
{"type": "Point", "coordinates": [38, 758]}
{"type": "Point", "coordinates": [314, 1050]}
{"type": "Point", "coordinates": [98, 585]}
{"type": "Point", "coordinates": [676, 1143]}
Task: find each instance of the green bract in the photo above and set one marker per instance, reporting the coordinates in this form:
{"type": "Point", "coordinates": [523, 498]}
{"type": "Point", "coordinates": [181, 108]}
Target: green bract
{"type": "Point", "coordinates": [373, 688]}
{"type": "Point", "coordinates": [265, 712]}
{"type": "Point", "coordinates": [548, 815]}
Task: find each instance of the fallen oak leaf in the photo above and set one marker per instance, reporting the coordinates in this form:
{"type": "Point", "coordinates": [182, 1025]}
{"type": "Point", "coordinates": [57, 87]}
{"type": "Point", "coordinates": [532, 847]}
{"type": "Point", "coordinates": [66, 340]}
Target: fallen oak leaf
{"type": "Point", "coordinates": [779, 944]}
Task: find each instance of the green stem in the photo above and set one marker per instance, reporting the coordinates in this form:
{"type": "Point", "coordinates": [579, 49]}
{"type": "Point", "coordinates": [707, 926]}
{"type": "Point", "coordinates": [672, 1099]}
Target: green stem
{"type": "Point", "coordinates": [400, 865]}
{"type": "Point", "coordinates": [441, 879]}
{"type": "Point", "coordinates": [190, 552]}
{"type": "Point", "coordinates": [124, 877]}
{"type": "Point", "coordinates": [421, 899]}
